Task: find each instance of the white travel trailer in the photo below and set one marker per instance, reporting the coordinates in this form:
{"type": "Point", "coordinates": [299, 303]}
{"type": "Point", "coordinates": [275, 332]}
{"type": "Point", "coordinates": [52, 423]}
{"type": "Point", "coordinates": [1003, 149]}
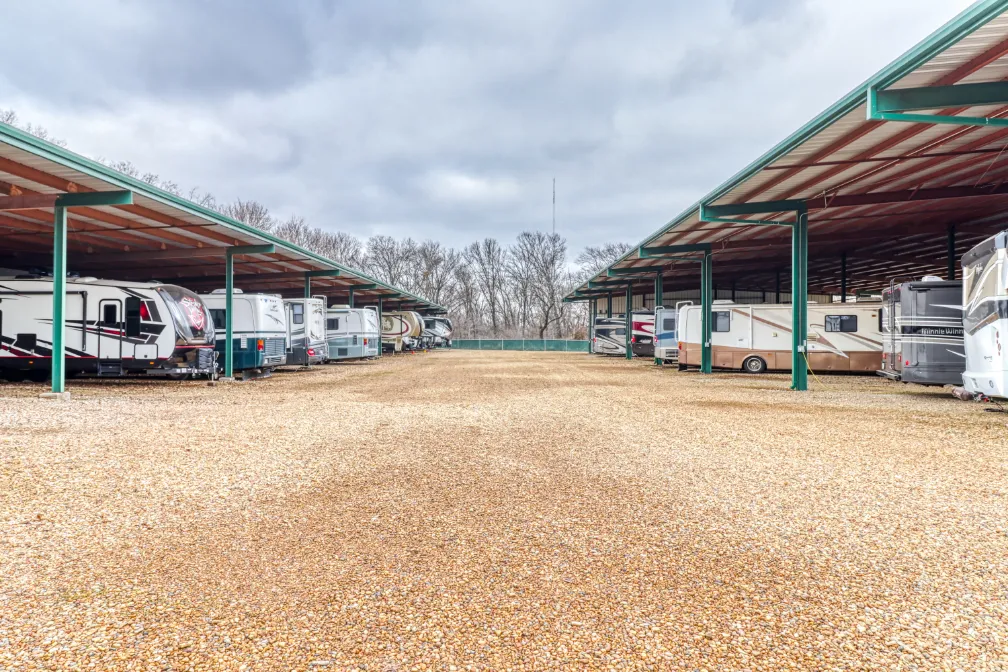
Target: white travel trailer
{"type": "Point", "coordinates": [985, 316]}
{"type": "Point", "coordinates": [666, 343]}
{"type": "Point", "coordinates": [400, 329]}
{"type": "Point", "coordinates": [610, 336]}
{"type": "Point", "coordinates": [757, 338]}
{"type": "Point", "coordinates": [352, 333]}
{"type": "Point", "coordinates": [306, 331]}
{"type": "Point", "coordinates": [258, 329]}
{"type": "Point", "coordinates": [112, 329]}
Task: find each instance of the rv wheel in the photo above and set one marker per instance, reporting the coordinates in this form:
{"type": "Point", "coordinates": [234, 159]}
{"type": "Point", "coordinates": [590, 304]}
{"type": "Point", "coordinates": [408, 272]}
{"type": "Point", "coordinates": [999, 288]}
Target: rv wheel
{"type": "Point", "coordinates": [754, 365]}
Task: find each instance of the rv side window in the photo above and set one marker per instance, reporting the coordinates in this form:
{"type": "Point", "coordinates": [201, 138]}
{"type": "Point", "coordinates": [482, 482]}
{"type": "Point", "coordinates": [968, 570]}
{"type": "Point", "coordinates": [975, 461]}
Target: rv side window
{"type": "Point", "coordinates": [297, 310]}
{"type": "Point", "coordinates": [619, 332]}
{"type": "Point", "coordinates": [668, 324]}
{"type": "Point", "coordinates": [332, 324]}
{"type": "Point", "coordinates": [721, 321]}
{"type": "Point", "coordinates": [110, 317]}
{"type": "Point", "coordinates": [219, 317]}
{"type": "Point", "coordinates": [841, 323]}
{"type": "Point", "coordinates": [132, 317]}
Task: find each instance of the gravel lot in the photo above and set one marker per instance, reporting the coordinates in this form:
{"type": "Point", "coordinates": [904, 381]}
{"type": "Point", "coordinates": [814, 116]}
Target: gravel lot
{"type": "Point", "coordinates": [465, 510]}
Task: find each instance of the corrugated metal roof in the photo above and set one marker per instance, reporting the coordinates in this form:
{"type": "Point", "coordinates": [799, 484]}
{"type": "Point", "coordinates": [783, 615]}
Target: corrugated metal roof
{"type": "Point", "coordinates": [842, 153]}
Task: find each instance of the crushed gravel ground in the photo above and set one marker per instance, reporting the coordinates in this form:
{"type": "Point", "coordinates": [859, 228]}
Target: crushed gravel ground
{"type": "Point", "coordinates": [473, 510]}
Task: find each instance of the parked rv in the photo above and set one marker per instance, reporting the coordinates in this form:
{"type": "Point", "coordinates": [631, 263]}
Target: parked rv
{"type": "Point", "coordinates": [985, 316]}
{"type": "Point", "coordinates": [400, 329]}
{"type": "Point", "coordinates": [666, 335]}
{"type": "Point", "coordinates": [306, 331]}
{"type": "Point", "coordinates": [610, 336]}
{"type": "Point", "coordinates": [258, 329]}
{"type": "Point", "coordinates": [757, 338]}
{"type": "Point", "coordinates": [922, 329]}
{"type": "Point", "coordinates": [441, 330]}
{"type": "Point", "coordinates": [642, 323]}
{"type": "Point", "coordinates": [112, 329]}
{"type": "Point", "coordinates": [352, 333]}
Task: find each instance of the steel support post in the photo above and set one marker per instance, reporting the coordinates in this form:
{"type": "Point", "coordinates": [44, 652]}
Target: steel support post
{"type": "Point", "coordinates": [629, 324]}
{"type": "Point", "coordinates": [307, 285]}
{"type": "Point", "coordinates": [951, 252]}
{"type": "Point", "coordinates": [659, 289]}
{"type": "Point", "coordinates": [799, 302]}
{"type": "Point", "coordinates": [228, 315]}
{"type": "Point", "coordinates": [59, 299]}
{"type": "Point", "coordinates": [351, 297]}
{"type": "Point", "coordinates": [592, 309]}
{"type": "Point", "coordinates": [609, 305]}
{"type": "Point", "coordinates": [381, 308]}
{"type": "Point", "coordinates": [706, 306]}
{"type": "Point", "coordinates": [777, 300]}
{"type": "Point", "coordinates": [843, 277]}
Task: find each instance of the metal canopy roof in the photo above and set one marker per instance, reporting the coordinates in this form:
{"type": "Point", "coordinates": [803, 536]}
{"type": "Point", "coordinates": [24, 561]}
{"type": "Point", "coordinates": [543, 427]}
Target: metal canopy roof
{"type": "Point", "coordinates": [881, 195]}
{"type": "Point", "coordinates": [159, 237]}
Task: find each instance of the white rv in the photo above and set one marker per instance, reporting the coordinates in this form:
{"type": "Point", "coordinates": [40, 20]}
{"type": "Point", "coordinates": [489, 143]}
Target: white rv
{"type": "Point", "coordinates": [258, 329]}
{"type": "Point", "coordinates": [112, 329]}
{"type": "Point", "coordinates": [610, 336]}
{"type": "Point", "coordinates": [757, 338]}
{"type": "Point", "coordinates": [666, 340]}
{"type": "Point", "coordinates": [985, 317]}
{"type": "Point", "coordinates": [642, 333]}
{"type": "Point", "coordinates": [400, 329]}
{"type": "Point", "coordinates": [352, 333]}
{"type": "Point", "coordinates": [306, 331]}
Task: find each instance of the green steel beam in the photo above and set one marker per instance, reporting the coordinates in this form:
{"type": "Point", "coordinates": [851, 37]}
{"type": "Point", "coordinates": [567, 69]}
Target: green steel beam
{"type": "Point", "coordinates": [59, 299]}
{"type": "Point", "coordinates": [799, 303]}
{"type": "Point", "coordinates": [627, 319]}
{"type": "Point", "coordinates": [615, 284]}
{"type": "Point", "coordinates": [641, 270]}
{"type": "Point", "coordinates": [229, 255]}
{"type": "Point", "coordinates": [938, 97]}
{"type": "Point", "coordinates": [659, 251]}
{"type": "Point", "coordinates": [91, 199]}
{"type": "Point", "coordinates": [326, 273]}
{"type": "Point", "coordinates": [713, 212]}
{"type": "Point", "coordinates": [364, 287]}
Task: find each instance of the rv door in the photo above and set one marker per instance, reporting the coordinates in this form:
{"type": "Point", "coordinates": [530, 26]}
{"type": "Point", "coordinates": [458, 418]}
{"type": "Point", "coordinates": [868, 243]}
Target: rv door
{"type": "Point", "coordinates": [110, 327]}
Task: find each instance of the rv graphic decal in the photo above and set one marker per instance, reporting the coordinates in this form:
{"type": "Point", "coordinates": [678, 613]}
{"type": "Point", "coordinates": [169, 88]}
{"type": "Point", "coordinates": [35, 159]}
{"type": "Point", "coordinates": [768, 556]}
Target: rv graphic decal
{"type": "Point", "coordinates": [194, 309]}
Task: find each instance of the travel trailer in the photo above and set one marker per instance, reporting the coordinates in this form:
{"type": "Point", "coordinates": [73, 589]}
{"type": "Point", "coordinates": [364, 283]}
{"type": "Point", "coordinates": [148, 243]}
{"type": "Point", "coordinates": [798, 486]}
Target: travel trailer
{"type": "Point", "coordinates": [922, 329]}
{"type": "Point", "coordinates": [666, 342]}
{"type": "Point", "coordinates": [642, 324]}
{"type": "Point", "coordinates": [112, 329]}
{"type": "Point", "coordinates": [258, 330]}
{"type": "Point", "coordinates": [440, 328]}
{"type": "Point", "coordinates": [422, 339]}
{"type": "Point", "coordinates": [757, 338]}
{"type": "Point", "coordinates": [352, 333]}
{"type": "Point", "coordinates": [610, 336]}
{"type": "Point", "coordinates": [985, 317]}
{"type": "Point", "coordinates": [400, 329]}
{"type": "Point", "coordinates": [306, 331]}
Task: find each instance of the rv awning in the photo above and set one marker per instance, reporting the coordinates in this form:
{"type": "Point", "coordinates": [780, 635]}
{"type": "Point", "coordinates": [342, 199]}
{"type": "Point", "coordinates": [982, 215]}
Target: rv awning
{"type": "Point", "coordinates": [159, 236]}
{"type": "Point", "coordinates": [886, 197]}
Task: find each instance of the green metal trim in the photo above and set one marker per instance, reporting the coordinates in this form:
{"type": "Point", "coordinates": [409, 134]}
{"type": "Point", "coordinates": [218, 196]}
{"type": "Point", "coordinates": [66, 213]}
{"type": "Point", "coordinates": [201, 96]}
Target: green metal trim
{"type": "Point", "coordinates": [937, 97]}
{"type": "Point", "coordinates": [58, 362]}
{"type": "Point", "coordinates": [616, 272]}
{"type": "Point", "coordinates": [92, 199]}
{"type": "Point", "coordinates": [939, 119]}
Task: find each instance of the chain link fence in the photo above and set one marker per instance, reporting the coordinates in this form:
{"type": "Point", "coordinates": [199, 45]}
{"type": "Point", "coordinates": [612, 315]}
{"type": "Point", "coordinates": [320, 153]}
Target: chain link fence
{"type": "Point", "coordinates": [520, 344]}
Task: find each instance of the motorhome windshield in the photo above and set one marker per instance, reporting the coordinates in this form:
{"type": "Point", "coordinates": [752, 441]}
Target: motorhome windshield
{"type": "Point", "coordinates": [188, 313]}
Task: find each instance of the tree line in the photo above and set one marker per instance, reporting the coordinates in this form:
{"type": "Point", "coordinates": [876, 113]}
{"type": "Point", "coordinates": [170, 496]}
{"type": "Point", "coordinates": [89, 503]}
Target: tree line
{"type": "Point", "coordinates": [491, 289]}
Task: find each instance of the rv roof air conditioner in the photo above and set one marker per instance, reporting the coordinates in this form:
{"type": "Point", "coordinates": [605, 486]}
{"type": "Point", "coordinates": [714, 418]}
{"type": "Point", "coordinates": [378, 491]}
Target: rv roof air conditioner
{"type": "Point", "coordinates": [931, 278]}
{"type": "Point", "coordinates": [224, 291]}
{"type": "Point", "coordinates": [721, 302]}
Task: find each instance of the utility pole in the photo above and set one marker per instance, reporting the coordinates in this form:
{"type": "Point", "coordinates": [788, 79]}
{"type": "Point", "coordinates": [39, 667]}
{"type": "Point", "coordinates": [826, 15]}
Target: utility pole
{"type": "Point", "coordinates": [554, 206]}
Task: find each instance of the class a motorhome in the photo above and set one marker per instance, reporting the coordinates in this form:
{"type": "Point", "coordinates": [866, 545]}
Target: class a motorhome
{"type": "Point", "coordinates": [610, 336]}
{"type": "Point", "coordinates": [258, 329]}
{"type": "Point", "coordinates": [642, 333]}
{"type": "Point", "coordinates": [666, 335]}
{"type": "Point", "coordinates": [922, 329]}
{"type": "Point", "coordinates": [112, 329]}
{"type": "Point", "coordinates": [352, 333]}
{"type": "Point", "coordinates": [306, 331]}
{"type": "Point", "coordinates": [440, 329]}
{"type": "Point", "coordinates": [757, 338]}
{"type": "Point", "coordinates": [985, 317]}
{"type": "Point", "coordinates": [400, 329]}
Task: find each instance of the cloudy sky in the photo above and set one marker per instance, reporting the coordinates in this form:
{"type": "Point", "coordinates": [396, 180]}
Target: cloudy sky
{"type": "Point", "coordinates": [447, 120]}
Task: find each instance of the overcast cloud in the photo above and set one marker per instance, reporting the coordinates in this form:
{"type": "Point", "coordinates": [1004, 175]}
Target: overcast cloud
{"type": "Point", "coordinates": [447, 120]}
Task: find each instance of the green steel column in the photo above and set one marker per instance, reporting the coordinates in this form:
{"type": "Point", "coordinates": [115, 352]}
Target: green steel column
{"type": "Point", "coordinates": [609, 305]}
{"type": "Point", "coordinates": [843, 277]}
{"type": "Point", "coordinates": [706, 307]}
{"type": "Point", "coordinates": [351, 297]}
{"type": "Point", "coordinates": [659, 289]}
{"type": "Point", "coordinates": [59, 299]}
{"type": "Point", "coordinates": [380, 310]}
{"type": "Point", "coordinates": [799, 303]}
{"type": "Point", "coordinates": [951, 252]}
{"type": "Point", "coordinates": [592, 310]}
{"type": "Point", "coordinates": [629, 325]}
{"type": "Point", "coordinates": [228, 315]}
{"type": "Point", "coordinates": [777, 300]}
{"type": "Point", "coordinates": [307, 285]}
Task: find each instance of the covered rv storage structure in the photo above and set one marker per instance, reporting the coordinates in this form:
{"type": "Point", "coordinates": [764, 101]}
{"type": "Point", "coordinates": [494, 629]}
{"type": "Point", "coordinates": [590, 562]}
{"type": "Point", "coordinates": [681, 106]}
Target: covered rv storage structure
{"type": "Point", "coordinates": [62, 212]}
{"type": "Point", "coordinates": [895, 180]}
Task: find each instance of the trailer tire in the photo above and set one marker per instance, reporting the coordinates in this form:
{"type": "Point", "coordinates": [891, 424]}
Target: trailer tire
{"type": "Point", "coordinates": [754, 365]}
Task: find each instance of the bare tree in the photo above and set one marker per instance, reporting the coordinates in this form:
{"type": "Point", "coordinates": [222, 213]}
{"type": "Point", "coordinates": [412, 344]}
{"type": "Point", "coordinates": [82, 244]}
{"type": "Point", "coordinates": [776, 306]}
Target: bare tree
{"type": "Point", "coordinates": [486, 260]}
{"type": "Point", "coordinates": [250, 212]}
{"type": "Point", "coordinates": [593, 259]}
{"type": "Point", "coordinates": [390, 260]}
